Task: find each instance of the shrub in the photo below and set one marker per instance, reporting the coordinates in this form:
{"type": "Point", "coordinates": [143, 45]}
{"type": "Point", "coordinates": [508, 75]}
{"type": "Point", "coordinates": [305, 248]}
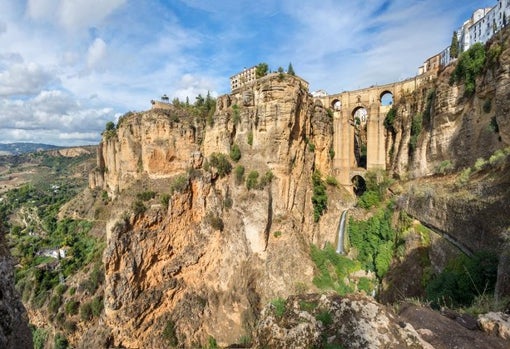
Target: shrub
{"type": "Point", "coordinates": [493, 125]}
{"type": "Point", "coordinates": [464, 176]}
{"type": "Point", "coordinates": [279, 306]}
{"type": "Point", "coordinates": [252, 180]}
{"type": "Point", "coordinates": [179, 184]}
{"type": "Point", "coordinates": [463, 279]}
{"type": "Point", "coordinates": [444, 167]}
{"type": "Point", "coordinates": [138, 207]}
{"type": "Point", "coordinates": [416, 127]}
{"type": "Point", "coordinates": [325, 317]}
{"type": "Point", "coordinates": [277, 234]}
{"type": "Point", "coordinates": [60, 342]}
{"type": "Point", "coordinates": [214, 221]}
{"type": "Point", "coordinates": [480, 164]}
{"type": "Point", "coordinates": [497, 158]}
{"type": "Point", "coordinates": [266, 179]}
{"type": "Point", "coordinates": [250, 138]}
{"type": "Point", "coordinates": [311, 147]}
{"type": "Point", "coordinates": [86, 311]}
{"type": "Point", "coordinates": [469, 66]}
{"type": "Point", "coordinates": [165, 199]}
{"type": "Point", "coordinates": [146, 195]}
{"type": "Point", "coordinates": [54, 304]}
{"type": "Point", "coordinates": [369, 199]}
{"type": "Point", "coordinates": [331, 153]}
{"type": "Point", "coordinates": [97, 306]}
{"type": "Point", "coordinates": [389, 120]}
{"type": "Point", "coordinates": [40, 336]}
{"type": "Point", "coordinates": [239, 174]}
{"type": "Point", "coordinates": [221, 163]}
{"type": "Point", "coordinates": [331, 180]}
{"type": "Point", "coordinates": [72, 307]}
{"type": "Point", "coordinates": [364, 284]}
{"type": "Point", "coordinates": [319, 197]}
{"type": "Point", "coordinates": [211, 343]}
{"type": "Point", "coordinates": [236, 115]}
{"type": "Point", "coordinates": [169, 334]}
{"type": "Point", "coordinates": [235, 152]}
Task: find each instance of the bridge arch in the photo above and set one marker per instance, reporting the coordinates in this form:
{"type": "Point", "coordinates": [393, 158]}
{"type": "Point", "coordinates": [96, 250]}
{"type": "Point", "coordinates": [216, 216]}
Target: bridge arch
{"type": "Point", "coordinates": [336, 104]}
{"type": "Point", "coordinates": [386, 98]}
{"type": "Point", "coordinates": [359, 184]}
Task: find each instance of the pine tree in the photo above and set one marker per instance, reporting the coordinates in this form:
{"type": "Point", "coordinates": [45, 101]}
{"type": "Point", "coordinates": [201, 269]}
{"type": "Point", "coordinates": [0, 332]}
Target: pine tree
{"type": "Point", "coordinates": [290, 70]}
{"type": "Point", "coordinates": [454, 47]}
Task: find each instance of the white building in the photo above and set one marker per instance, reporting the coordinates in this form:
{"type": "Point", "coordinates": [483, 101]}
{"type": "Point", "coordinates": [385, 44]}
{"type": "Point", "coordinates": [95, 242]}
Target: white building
{"type": "Point", "coordinates": [242, 78]}
{"type": "Point", "coordinates": [482, 25]}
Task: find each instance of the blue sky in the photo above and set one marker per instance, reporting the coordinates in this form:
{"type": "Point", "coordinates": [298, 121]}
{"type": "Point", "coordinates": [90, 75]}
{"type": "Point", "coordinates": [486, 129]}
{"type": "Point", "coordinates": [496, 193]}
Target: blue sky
{"type": "Point", "coordinates": [69, 66]}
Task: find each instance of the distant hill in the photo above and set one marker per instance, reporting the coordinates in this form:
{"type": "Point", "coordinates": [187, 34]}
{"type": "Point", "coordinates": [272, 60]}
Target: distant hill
{"type": "Point", "coordinates": [21, 148]}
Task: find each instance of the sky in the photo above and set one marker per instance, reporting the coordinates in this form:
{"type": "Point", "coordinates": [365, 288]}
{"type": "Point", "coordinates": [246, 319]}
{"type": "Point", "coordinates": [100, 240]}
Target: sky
{"type": "Point", "coordinates": [67, 67]}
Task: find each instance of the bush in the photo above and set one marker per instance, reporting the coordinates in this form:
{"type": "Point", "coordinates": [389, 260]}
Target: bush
{"type": "Point", "coordinates": [72, 307]}
{"type": "Point", "coordinates": [416, 127]}
{"type": "Point", "coordinates": [325, 317]}
{"type": "Point", "coordinates": [169, 334]}
{"type": "Point", "coordinates": [364, 284]}
{"type": "Point", "coordinates": [214, 221]}
{"type": "Point", "coordinates": [331, 153]}
{"type": "Point", "coordinates": [469, 66]}
{"type": "Point", "coordinates": [463, 279]}
{"type": "Point", "coordinates": [464, 176]}
{"type": "Point", "coordinates": [493, 125]}
{"type": "Point", "coordinates": [480, 164]}
{"type": "Point", "coordinates": [86, 311]}
{"type": "Point", "coordinates": [252, 180]}
{"type": "Point", "coordinates": [179, 184]}
{"type": "Point", "coordinates": [277, 234]}
{"type": "Point", "coordinates": [487, 106]}
{"type": "Point", "coordinates": [311, 147]}
{"type": "Point", "coordinates": [235, 152]}
{"type": "Point", "coordinates": [54, 304]}
{"type": "Point", "coordinates": [60, 342]}
{"type": "Point", "coordinates": [236, 115]}
{"type": "Point", "coordinates": [40, 336]}
{"type": "Point", "coordinates": [444, 167]}
{"type": "Point", "coordinates": [239, 174]}
{"type": "Point", "coordinates": [389, 120]}
{"type": "Point", "coordinates": [497, 158]}
{"type": "Point", "coordinates": [250, 138]}
{"type": "Point", "coordinates": [331, 180]}
{"type": "Point", "coordinates": [221, 163]}
{"type": "Point", "coordinates": [97, 306]}
{"type": "Point", "coordinates": [369, 199]}
{"type": "Point", "coordinates": [138, 207]}
{"type": "Point", "coordinates": [165, 199]}
{"type": "Point", "coordinates": [319, 197]}
{"type": "Point", "coordinates": [279, 306]}
{"type": "Point", "coordinates": [266, 179]}
{"type": "Point", "coordinates": [146, 195]}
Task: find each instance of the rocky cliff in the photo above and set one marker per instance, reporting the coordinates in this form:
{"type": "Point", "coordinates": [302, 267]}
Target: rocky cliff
{"type": "Point", "coordinates": [14, 331]}
{"type": "Point", "coordinates": [204, 261]}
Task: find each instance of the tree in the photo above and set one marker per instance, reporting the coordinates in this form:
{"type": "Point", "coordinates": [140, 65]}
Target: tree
{"type": "Point", "coordinates": [280, 70]}
{"type": "Point", "coordinates": [290, 70]}
{"type": "Point", "coordinates": [261, 70]}
{"type": "Point", "coordinates": [454, 47]}
{"type": "Point", "coordinates": [110, 126]}
{"type": "Point", "coordinates": [504, 19]}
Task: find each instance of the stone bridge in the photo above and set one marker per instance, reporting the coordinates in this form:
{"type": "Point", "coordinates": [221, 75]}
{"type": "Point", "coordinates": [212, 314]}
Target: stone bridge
{"type": "Point", "coordinates": [353, 110]}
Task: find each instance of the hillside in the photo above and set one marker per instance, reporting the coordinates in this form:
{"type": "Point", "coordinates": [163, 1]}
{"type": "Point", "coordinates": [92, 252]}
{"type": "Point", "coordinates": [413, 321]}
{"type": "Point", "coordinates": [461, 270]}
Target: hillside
{"type": "Point", "coordinates": [216, 224]}
{"type": "Point", "coordinates": [22, 148]}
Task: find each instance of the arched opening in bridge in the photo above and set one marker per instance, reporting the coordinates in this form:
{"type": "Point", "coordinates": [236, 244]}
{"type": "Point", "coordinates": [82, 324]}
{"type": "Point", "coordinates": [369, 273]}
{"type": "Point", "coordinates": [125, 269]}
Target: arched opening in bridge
{"type": "Point", "coordinates": [359, 122]}
{"type": "Point", "coordinates": [386, 98]}
{"type": "Point", "coordinates": [359, 185]}
{"type": "Point", "coordinates": [336, 105]}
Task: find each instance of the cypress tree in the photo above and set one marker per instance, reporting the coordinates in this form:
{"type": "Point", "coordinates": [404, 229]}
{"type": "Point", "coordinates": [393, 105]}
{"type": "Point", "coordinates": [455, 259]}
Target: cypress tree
{"type": "Point", "coordinates": [454, 47]}
{"type": "Point", "coordinates": [290, 70]}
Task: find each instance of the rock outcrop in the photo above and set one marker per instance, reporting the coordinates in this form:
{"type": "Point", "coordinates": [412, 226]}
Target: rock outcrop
{"type": "Point", "coordinates": [314, 321]}
{"type": "Point", "coordinates": [206, 263]}
{"type": "Point", "coordinates": [14, 331]}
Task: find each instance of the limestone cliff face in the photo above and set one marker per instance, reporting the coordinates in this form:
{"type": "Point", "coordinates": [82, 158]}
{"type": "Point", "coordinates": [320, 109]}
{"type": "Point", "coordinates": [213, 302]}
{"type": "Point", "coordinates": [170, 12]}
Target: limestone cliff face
{"type": "Point", "coordinates": [207, 264]}
{"type": "Point", "coordinates": [14, 331]}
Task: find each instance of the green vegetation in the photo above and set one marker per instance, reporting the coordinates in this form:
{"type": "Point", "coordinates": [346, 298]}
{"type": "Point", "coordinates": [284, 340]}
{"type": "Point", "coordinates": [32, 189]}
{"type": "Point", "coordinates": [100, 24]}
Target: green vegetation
{"type": "Point", "coordinates": [221, 163]}
{"type": "Point", "coordinates": [377, 184]}
{"type": "Point", "coordinates": [331, 153]}
{"type": "Point", "coordinates": [444, 167]}
{"type": "Point", "coordinates": [72, 307]}
{"type": "Point", "coordinates": [211, 343]}
{"type": "Point", "coordinates": [178, 184]}
{"type": "Point", "coordinates": [261, 70]}
{"type": "Point", "coordinates": [146, 195]}
{"type": "Point", "coordinates": [332, 181]}
{"type": "Point", "coordinates": [427, 113]}
{"type": "Point", "coordinates": [277, 234]}
{"type": "Point", "coordinates": [60, 342]}
{"type": "Point", "coordinates": [169, 334]}
{"type": "Point", "coordinates": [333, 269]}
{"type": "Point", "coordinates": [454, 46]}
{"type": "Point", "coordinates": [389, 120]}
{"type": "Point", "coordinates": [40, 336]}
{"type": "Point", "coordinates": [416, 127]}
{"type": "Point", "coordinates": [252, 180]}
{"type": "Point", "coordinates": [480, 164]}
{"type": "Point", "coordinates": [464, 176]}
{"type": "Point", "coordinates": [279, 306]}
{"type": "Point", "coordinates": [311, 147]}
{"type": "Point", "coordinates": [236, 116]}
{"type": "Point", "coordinates": [250, 138]}
{"type": "Point", "coordinates": [364, 284]}
{"type": "Point", "coordinates": [469, 66]}
{"type": "Point", "coordinates": [493, 125]}
{"type": "Point", "coordinates": [290, 70]}
{"type": "Point", "coordinates": [214, 221]}
{"type": "Point", "coordinates": [463, 280]}
{"type": "Point", "coordinates": [319, 197]}
{"type": "Point", "coordinates": [109, 131]}
{"type": "Point", "coordinates": [325, 317]}
{"type": "Point", "coordinates": [138, 207]}
{"type": "Point", "coordinates": [374, 239]}
{"type": "Point", "coordinates": [235, 153]}
{"type": "Point", "coordinates": [239, 174]}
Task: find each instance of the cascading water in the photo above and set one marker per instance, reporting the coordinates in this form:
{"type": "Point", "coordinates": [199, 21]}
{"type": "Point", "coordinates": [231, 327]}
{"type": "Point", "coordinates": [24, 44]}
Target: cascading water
{"type": "Point", "coordinates": [341, 232]}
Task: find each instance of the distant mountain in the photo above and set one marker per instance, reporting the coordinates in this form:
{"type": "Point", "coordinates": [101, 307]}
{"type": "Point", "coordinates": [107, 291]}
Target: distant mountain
{"type": "Point", "coordinates": [21, 148]}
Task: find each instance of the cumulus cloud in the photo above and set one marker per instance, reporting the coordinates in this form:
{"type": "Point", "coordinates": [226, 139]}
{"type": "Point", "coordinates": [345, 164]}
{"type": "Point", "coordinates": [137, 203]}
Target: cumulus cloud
{"type": "Point", "coordinates": [24, 78]}
{"type": "Point", "coordinates": [96, 54]}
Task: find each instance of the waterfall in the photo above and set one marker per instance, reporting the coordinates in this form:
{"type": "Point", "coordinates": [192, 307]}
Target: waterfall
{"type": "Point", "coordinates": [341, 232]}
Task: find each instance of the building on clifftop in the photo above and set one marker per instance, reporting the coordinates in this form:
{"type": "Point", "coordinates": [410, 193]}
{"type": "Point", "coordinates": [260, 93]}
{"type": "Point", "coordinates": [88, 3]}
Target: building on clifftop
{"type": "Point", "coordinates": [243, 78]}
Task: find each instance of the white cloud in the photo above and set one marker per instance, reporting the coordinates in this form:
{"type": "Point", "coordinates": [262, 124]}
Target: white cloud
{"type": "Point", "coordinates": [21, 78]}
{"type": "Point", "coordinates": [42, 9]}
{"type": "Point", "coordinates": [96, 54]}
